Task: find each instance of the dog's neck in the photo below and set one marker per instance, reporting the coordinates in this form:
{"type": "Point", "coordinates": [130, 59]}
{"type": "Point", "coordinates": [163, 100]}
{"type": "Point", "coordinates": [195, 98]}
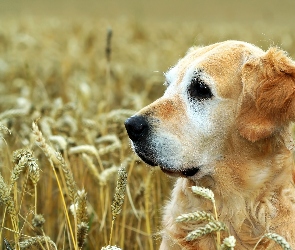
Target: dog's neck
{"type": "Point", "coordinates": [254, 194]}
{"type": "Point", "coordinates": [253, 187]}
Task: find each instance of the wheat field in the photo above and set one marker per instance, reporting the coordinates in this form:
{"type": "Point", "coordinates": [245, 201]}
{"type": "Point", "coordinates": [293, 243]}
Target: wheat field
{"type": "Point", "coordinates": [67, 85]}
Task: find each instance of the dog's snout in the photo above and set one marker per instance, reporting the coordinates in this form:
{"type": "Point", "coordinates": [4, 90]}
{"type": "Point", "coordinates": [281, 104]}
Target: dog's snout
{"type": "Point", "coordinates": [137, 127]}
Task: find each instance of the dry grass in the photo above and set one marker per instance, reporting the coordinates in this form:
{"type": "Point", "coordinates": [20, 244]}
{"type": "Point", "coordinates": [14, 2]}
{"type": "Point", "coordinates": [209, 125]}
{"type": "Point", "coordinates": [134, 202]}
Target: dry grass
{"type": "Point", "coordinates": [56, 72]}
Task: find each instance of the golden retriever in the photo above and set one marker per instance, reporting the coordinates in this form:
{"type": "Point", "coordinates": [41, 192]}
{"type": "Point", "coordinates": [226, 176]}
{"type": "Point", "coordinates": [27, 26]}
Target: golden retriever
{"type": "Point", "coordinates": [224, 123]}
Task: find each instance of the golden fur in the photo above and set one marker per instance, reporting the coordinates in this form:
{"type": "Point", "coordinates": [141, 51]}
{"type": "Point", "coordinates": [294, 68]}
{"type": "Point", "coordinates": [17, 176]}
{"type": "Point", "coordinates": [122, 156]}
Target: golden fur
{"type": "Point", "coordinates": [239, 139]}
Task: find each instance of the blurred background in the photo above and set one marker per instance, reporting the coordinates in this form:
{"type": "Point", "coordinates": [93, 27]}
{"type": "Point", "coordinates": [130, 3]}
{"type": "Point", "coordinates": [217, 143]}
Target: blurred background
{"type": "Point", "coordinates": [273, 12]}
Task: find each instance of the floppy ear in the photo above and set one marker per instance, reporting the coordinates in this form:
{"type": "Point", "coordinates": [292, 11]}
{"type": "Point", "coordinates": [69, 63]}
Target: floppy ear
{"type": "Point", "coordinates": [268, 101]}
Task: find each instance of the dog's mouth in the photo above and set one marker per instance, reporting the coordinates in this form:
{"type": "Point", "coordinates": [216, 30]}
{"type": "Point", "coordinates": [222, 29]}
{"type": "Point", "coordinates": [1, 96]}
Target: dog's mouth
{"type": "Point", "coordinates": [188, 172]}
{"type": "Point", "coordinates": [181, 172]}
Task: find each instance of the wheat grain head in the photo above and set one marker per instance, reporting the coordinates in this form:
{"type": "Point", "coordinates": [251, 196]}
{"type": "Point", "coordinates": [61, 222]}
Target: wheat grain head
{"type": "Point", "coordinates": [119, 193]}
{"type": "Point", "coordinates": [212, 226]}
{"type": "Point", "coordinates": [195, 216]}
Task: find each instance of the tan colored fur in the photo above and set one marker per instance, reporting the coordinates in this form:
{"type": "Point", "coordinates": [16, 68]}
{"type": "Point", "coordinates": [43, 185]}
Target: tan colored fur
{"type": "Point", "coordinates": [253, 179]}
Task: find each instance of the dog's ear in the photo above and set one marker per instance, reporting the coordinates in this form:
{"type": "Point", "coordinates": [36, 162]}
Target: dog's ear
{"type": "Point", "coordinates": [268, 100]}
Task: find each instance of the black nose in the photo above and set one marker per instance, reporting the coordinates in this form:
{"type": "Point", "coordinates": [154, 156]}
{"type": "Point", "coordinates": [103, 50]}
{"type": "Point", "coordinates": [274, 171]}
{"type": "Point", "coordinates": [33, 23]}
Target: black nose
{"type": "Point", "coordinates": [137, 127]}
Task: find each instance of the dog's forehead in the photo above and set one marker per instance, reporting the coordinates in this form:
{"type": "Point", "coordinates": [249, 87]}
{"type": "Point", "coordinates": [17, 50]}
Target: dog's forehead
{"type": "Point", "coordinates": [222, 62]}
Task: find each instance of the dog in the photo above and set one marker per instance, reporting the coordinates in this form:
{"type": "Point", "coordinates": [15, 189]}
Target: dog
{"type": "Point", "coordinates": [224, 123]}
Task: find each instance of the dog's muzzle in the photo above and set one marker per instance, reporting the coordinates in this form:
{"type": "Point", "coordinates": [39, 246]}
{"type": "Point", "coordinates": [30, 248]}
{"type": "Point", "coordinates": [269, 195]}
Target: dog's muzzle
{"type": "Point", "coordinates": [138, 130]}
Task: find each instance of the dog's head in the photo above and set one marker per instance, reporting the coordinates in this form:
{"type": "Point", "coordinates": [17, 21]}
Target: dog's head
{"type": "Point", "coordinates": [213, 93]}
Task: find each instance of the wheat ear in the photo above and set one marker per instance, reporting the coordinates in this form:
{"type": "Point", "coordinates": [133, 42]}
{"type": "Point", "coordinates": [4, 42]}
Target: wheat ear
{"type": "Point", "coordinates": [70, 182]}
{"type": "Point", "coordinates": [38, 221]}
{"type": "Point", "coordinates": [110, 248]}
{"type": "Point", "coordinates": [119, 197]}
{"type": "Point", "coordinates": [228, 243]}
{"type": "Point", "coordinates": [277, 238]}
{"type": "Point", "coordinates": [7, 245]}
{"type": "Point", "coordinates": [24, 158]}
{"type": "Point", "coordinates": [212, 226]}
{"type": "Point", "coordinates": [115, 144]}
{"type": "Point", "coordinates": [4, 129]}
{"type": "Point", "coordinates": [81, 217]}
{"type": "Point", "coordinates": [208, 194]}
{"type": "Point", "coordinates": [120, 115]}
{"type": "Point", "coordinates": [14, 113]}
{"type": "Point", "coordinates": [107, 174]}
{"type": "Point", "coordinates": [88, 149]}
{"type": "Point", "coordinates": [195, 216]}
{"type": "Point", "coordinates": [6, 199]}
{"type": "Point", "coordinates": [92, 168]}
{"type": "Point", "coordinates": [56, 158]}
{"type": "Point", "coordinates": [36, 241]}
{"type": "Point", "coordinates": [204, 192]}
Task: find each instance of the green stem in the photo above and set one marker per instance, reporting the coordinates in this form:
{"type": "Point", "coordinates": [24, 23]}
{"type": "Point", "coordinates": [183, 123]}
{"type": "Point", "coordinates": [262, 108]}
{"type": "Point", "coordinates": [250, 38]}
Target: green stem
{"type": "Point", "coordinates": [216, 218]}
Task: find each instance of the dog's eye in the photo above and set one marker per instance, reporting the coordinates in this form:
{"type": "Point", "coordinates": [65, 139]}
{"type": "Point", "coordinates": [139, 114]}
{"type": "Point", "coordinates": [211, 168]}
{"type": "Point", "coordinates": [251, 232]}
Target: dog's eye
{"type": "Point", "coordinates": [199, 90]}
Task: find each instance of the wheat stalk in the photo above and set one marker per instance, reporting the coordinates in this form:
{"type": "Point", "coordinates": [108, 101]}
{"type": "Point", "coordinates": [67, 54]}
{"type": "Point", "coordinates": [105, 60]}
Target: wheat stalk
{"type": "Point", "coordinates": [108, 49]}
{"type": "Point", "coordinates": [147, 198]}
{"type": "Point", "coordinates": [79, 210]}
{"type": "Point", "coordinates": [55, 157]}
